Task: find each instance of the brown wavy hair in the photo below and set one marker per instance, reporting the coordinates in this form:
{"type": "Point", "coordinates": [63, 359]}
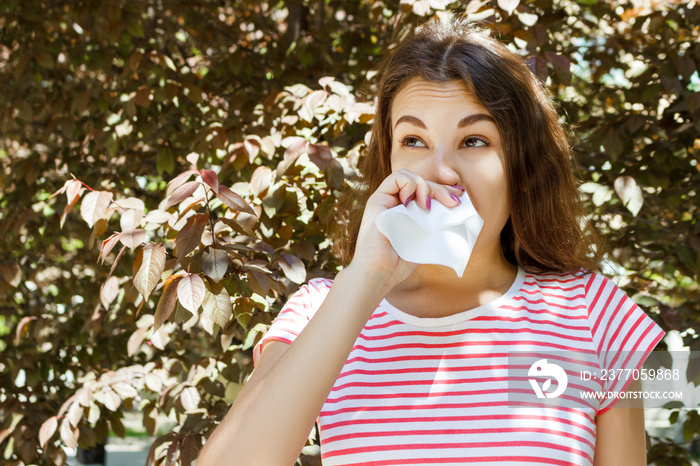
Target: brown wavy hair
{"type": "Point", "coordinates": [547, 229]}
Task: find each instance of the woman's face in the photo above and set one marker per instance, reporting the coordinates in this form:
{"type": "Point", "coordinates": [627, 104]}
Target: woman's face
{"type": "Point", "coordinates": [442, 133]}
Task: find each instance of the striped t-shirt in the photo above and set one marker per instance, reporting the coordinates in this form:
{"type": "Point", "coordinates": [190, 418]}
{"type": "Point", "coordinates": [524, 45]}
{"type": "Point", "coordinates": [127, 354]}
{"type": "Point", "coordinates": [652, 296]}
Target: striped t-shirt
{"type": "Point", "coordinates": [425, 391]}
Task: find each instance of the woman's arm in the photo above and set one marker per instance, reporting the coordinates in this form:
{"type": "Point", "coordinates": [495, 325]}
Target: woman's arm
{"type": "Point", "coordinates": [621, 439]}
{"type": "Point", "coordinates": [271, 418]}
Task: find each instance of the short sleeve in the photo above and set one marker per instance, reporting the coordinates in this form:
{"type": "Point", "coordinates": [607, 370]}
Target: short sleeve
{"type": "Point", "coordinates": [296, 313]}
{"type": "Point", "coordinates": [622, 333]}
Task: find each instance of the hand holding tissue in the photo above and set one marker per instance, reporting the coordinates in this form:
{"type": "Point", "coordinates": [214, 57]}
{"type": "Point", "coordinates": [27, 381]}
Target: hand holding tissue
{"type": "Point", "coordinates": [442, 235]}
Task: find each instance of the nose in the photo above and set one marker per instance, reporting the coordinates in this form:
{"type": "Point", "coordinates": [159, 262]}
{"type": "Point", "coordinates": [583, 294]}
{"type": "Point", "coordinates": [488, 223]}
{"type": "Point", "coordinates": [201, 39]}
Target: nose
{"type": "Point", "coordinates": [443, 168]}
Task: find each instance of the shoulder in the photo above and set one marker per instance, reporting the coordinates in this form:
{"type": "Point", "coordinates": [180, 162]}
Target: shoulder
{"type": "Point", "coordinates": [559, 283]}
{"type": "Point", "coordinates": [320, 284]}
{"type": "Point", "coordinates": [317, 288]}
{"type": "Point", "coordinates": [308, 298]}
{"type": "Point", "coordinates": [584, 283]}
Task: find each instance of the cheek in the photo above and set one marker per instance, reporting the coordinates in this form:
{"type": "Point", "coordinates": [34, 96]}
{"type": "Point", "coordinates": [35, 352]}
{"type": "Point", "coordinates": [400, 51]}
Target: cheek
{"type": "Point", "coordinates": [487, 185]}
{"type": "Point", "coordinates": [400, 161]}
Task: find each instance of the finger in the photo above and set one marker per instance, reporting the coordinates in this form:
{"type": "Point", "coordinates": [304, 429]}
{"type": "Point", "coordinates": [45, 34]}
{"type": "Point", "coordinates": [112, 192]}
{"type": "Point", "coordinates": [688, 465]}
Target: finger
{"type": "Point", "coordinates": [406, 186]}
{"type": "Point", "coordinates": [421, 189]}
{"type": "Point", "coordinates": [446, 195]}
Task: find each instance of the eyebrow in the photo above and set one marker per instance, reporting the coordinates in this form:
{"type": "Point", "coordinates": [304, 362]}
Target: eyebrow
{"type": "Point", "coordinates": [466, 121]}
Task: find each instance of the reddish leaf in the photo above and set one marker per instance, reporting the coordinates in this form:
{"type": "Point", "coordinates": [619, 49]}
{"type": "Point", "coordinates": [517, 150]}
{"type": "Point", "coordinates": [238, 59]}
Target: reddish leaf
{"type": "Point", "coordinates": [151, 263]}
{"type": "Point", "coordinates": [107, 246]}
{"type": "Point", "coordinates": [258, 282]}
{"type": "Point", "coordinates": [142, 98]}
{"type": "Point", "coordinates": [211, 179]}
{"type": "Point", "coordinates": [136, 340]}
{"type": "Point", "coordinates": [94, 206]}
{"type": "Point", "coordinates": [158, 216]}
{"type": "Point", "coordinates": [69, 434]}
{"type": "Point", "coordinates": [194, 204]}
{"type": "Point", "coordinates": [672, 84]}
{"type": "Point", "coordinates": [189, 450]}
{"type": "Point", "coordinates": [189, 237]}
{"type": "Point", "coordinates": [320, 155]}
{"type": "Point", "coordinates": [685, 66]}
{"type": "Point", "coordinates": [98, 230]}
{"type": "Point", "coordinates": [109, 291]}
{"type": "Point", "coordinates": [420, 7]}
{"type": "Point", "coordinates": [132, 239]}
{"type": "Point", "coordinates": [293, 268]}
{"type": "Point", "coordinates": [67, 210]}
{"type": "Point", "coordinates": [694, 102]}
{"type": "Point", "coordinates": [189, 397]}
{"type": "Point", "coordinates": [296, 147]}
{"type": "Point", "coordinates": [310, 104]}
{"type": "Point", "coordinates": [125, 390]}
{"type": "Point", "coordinates": [112, 400]}
{"type": "Point", "coordinates": [22, 328]}
{"type": "Point", "coordinates": [508, 5]}
{"type": "Point", "coordinates": [614, 142]}
{"type": "Point", "coordinates": [172, 450]}
{"type": "Point", "coordinates": [150, 420]}
{"type": "Point", "coordinates": [252, 147]}
{"type": "Point", "coordinates": [215, 263]}
{"type": "Point", "coordinates": [48, 428]}
{"type": "Point", "coordinates": [150, 458]}
{"type": "Point", "coordinates": [12, 274]}
{"type": "Point", "coordinates": [4, 433]}
{"type": "Point", "coordinates": [167, 301]}
{"type": "Point", "coordinates": [562, 66]}
{"type": "Point", "coordinates": [261, 180]}
{"type": "Point", "coordinates": [233, 200]}
{"type": "Point", "coordinates": [192, 158]}
{"type": "Point", "coordinates": [240, 227]}
{"type": "Point", "coordinates": [178, 181]}
{"type": "Point", "coordinates": [130, 220]}
{"type": "Point", "coordinates": [217, 305]}
{"type": "Point", "coordinates": [74, 189]}
{"type": "Point", "coordinates": [630, 193]}
{"type": "Point", "coordinates": [75, 414]}
{"type": "Point", "coordinates": [154, 382]}
{"type": "Point", "coordinates": [182, 193]}
{"type": "Point", "coordinates": [190, 292]}
{"type": "Point", "coordinates": [538, 67]}
{"type": "Point", "coordinates": [335, 175]}
{"type": "Point", "coordinates": [326, 80]}
{"type": "Point", "coordinates": [135, 60]}
{"type": "Point", "coordinates": [117, 427]}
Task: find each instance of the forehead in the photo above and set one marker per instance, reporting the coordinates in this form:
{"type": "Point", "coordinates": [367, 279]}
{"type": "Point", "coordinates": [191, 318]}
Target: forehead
{"type": "Point", "coordinates": [419, 96]}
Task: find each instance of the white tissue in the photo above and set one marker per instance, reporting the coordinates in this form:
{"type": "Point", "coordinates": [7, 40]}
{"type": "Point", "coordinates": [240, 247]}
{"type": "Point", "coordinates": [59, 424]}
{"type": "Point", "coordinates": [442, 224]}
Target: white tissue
{"type": "Point", "coordinates": [442, 235]}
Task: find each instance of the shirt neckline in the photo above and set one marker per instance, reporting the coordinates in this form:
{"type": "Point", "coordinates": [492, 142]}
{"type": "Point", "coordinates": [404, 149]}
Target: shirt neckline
{"type": "Point", "coordinates": [460, 316]}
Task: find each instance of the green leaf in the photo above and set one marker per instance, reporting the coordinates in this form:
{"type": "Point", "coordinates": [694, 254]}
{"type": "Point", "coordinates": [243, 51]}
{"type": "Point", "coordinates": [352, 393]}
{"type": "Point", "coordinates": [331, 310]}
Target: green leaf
{"type": "Point", "coordinates": [135, 28]}
{"type": "Point", "coordinates": [254, 334]}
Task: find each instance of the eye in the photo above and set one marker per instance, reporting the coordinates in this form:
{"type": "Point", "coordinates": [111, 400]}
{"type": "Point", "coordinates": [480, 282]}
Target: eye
{"type": "Point", "coordinates": [474, 141]}
{"type": "Point", "coordinates": [411, 141]}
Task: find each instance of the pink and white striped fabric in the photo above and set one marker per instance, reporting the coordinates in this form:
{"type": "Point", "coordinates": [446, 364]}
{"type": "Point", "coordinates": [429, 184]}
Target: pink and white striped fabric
{"type": "Point", "coordinates": [425, 391]}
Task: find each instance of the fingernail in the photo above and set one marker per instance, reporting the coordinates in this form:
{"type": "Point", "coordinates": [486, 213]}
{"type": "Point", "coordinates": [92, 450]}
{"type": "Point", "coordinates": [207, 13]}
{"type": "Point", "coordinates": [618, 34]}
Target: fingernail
{"type": "Point", "coordinates": [427, 203]}
{"type": "Point", "coordinates": [405, 204]}
{"type": "Point", "coordinates": [455, 198]}
{"type": "Point", "coordinates": [458, 187]}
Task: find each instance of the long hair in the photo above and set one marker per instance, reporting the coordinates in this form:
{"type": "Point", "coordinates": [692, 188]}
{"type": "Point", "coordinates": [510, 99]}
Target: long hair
{"type": "Point", "coordinates": [547, 229]}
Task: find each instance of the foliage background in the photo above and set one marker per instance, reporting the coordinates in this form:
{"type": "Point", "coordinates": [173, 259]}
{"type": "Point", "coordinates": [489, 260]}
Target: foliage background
{"type": "Point", "coordinates": [263, 107]}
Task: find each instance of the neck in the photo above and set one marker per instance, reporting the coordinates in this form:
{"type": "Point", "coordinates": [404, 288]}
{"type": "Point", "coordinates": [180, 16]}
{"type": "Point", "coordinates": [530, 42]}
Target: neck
{"type": "Point", "coordinates": [487, 271]}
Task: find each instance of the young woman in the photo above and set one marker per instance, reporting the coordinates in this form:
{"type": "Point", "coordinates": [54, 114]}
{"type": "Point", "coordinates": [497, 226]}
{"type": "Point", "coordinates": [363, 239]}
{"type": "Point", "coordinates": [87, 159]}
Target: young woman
{"type": "Point", "coordinates": [408, 364]}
